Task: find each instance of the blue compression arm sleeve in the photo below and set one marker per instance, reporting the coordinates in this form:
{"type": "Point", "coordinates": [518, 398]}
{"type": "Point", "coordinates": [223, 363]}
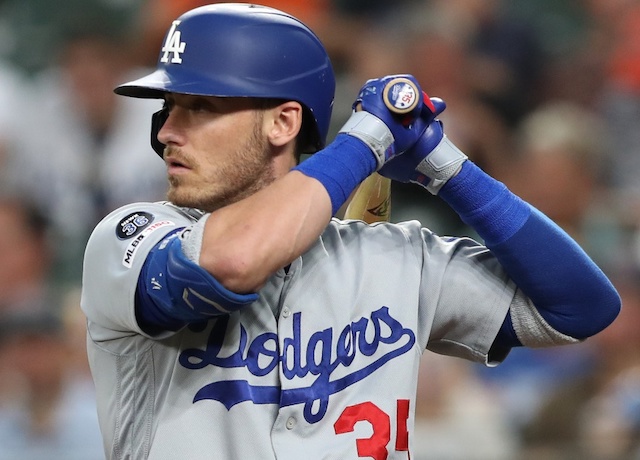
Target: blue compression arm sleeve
{"type": "Point", "coordinates": [569, 290]}
{"type": "Point", "coordinates": [174, 291]}
{"type": "Point", "coordinates": [340, 167]}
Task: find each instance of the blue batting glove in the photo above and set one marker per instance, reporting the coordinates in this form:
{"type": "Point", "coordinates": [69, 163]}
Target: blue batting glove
{"type": "Point", "coordinates": [403, 169]}
{"type": "Point", "coordinates": [431, 161]}
{"type": "Point", "coordinates": [398, 101]}
{"type": "Point", "coordinates": [390, 114]}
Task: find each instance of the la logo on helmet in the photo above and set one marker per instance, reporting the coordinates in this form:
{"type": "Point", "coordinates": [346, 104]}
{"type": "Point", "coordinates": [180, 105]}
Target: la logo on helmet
{"type": "Point", "coordinates": [173, 45]}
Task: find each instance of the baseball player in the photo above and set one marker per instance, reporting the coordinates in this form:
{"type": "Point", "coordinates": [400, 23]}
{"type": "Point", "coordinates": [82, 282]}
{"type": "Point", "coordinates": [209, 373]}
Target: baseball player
{"type": "Point", "coordinates": [239, 320]}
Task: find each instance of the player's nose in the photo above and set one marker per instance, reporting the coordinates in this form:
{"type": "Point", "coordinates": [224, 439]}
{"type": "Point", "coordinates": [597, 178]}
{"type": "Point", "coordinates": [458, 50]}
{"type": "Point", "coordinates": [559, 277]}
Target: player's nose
{"type": "Point", "coordinates": [171, 133]}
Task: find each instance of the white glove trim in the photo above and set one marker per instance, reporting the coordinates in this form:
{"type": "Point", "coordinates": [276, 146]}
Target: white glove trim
{"type": "Point", "coordinates": [372, 131]}
{"type": "Point", "coordinates": [443, 163]}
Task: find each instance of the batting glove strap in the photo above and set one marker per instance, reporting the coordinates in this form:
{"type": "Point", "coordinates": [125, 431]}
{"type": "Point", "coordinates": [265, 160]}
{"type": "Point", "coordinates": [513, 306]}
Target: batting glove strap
{"type": "Point", "coordinates": [373, 132]}
{"type": "Point", "coordinates": [443, 163]}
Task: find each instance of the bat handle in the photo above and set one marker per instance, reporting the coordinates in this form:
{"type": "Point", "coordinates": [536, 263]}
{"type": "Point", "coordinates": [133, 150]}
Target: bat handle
{"type": "Point", "coordinates": [371, 201]}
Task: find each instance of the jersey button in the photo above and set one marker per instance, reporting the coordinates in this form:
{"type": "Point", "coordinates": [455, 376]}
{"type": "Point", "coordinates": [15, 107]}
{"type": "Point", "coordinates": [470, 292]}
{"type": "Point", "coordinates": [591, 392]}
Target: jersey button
{"type": "Point", "coordinates": [291, 422]}
{"type": "Point", "coordinates": [286, 312]}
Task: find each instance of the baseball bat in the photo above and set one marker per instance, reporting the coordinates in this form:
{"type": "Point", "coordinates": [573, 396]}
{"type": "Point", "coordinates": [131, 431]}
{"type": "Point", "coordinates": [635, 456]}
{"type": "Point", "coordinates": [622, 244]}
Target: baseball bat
{"type": "Point", "coordinates": [371, 202]}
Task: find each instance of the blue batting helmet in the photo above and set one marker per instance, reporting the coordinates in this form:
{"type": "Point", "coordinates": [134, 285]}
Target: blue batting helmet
{"type": "Point", "coordinates": [242, 50]}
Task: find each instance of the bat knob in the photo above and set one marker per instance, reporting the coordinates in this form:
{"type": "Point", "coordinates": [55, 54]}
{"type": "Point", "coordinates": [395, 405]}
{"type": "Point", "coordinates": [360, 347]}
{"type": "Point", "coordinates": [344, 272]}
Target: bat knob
{"type": "Point", "coordinates": [401, 95]}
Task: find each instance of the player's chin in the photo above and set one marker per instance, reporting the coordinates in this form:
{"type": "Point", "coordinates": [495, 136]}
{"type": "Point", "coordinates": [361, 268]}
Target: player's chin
{"type": "Point", "coordinates": [181, 194]}
{"type": "Point", "coordinates": [179, 197]}
{"type": "Point", "coordinates": [189, 196]}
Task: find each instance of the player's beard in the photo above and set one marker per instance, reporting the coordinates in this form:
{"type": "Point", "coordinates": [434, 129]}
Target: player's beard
{"type": "Point", "coordinates": [245, 171]}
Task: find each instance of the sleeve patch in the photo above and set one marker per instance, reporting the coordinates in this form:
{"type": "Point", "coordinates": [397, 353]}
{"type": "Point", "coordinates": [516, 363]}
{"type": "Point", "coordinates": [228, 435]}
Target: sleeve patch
{"type": "Point", "coordinates": [147, 230]}
{"type": "Point", "coordinates": [133, 224]}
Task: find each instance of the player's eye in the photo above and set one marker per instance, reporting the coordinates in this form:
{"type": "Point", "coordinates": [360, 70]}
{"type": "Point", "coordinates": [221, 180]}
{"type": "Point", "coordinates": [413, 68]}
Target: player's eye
{"type": "Point", "coordinates": [200, 105]}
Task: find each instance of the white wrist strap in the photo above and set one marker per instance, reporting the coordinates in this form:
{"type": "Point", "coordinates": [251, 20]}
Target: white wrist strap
{"type": "Point", "coordinates": [372, 131]}
{"type": "Point", "coordinates": [441, 164]}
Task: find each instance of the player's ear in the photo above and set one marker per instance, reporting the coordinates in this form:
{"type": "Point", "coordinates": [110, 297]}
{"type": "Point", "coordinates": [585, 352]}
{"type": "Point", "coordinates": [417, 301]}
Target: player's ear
{"type": "Point", "coordinates": [284, 122]}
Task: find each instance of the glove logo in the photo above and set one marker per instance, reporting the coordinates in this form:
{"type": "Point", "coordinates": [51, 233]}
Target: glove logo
{"type": "Point", "coordinates": [174, 45]}
{"type": "Point", "coordinates": [401, 95]}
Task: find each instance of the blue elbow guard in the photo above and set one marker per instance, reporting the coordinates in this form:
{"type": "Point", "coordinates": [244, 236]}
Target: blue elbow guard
{"type": "Point", "coordinates": [185, 291]}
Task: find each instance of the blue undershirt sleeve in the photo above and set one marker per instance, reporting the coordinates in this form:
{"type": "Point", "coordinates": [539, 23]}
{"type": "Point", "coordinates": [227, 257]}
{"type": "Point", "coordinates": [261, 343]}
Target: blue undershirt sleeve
{"type": "Point", "coordinates": [340, 167]}
{"type": "Point", "coordinates": [569, 290]}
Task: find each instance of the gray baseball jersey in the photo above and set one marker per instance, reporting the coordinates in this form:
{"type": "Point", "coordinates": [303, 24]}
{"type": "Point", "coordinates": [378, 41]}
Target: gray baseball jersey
{"type": "Point", "coordinates": [323, 365]}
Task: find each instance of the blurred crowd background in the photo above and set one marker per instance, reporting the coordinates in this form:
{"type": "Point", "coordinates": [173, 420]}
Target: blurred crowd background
{"type": "Point", "coordinates": [542, 94]}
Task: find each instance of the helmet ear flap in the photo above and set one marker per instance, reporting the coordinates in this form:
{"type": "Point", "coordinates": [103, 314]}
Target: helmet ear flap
{"type": "Point", "coordinates": [157, 121]}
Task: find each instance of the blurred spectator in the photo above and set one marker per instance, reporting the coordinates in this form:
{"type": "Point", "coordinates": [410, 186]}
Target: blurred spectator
{"type": "Point", "coordinates": [471, 50]}
{"type": "Point", "coordinates": [572, 45]}
{"type": "Point", "coordinates": [502, 53]}
{"type": "Point", "coordinates": [26, 257]}
{"type": "Point", "coordinates": [596, 415]}
{"type": "Point", "coordinates": [47, 400]}
{"type": "Point", "coordinates": [620, 101]}
{"type": "Point", "coordinates": [560, 154]}
{"type": "Point", "coordinates": [13, 91]}
{"type": "Point", "coordinates": [84, 151]}
{"type": "Point", "coordinates": [457, 416]}
{"type": "Point", "coordinates": [32, 31]}
{"type": "Point", "coordinates": [46, 411]}
{"type": "Point", "coordinates": [560, 168]}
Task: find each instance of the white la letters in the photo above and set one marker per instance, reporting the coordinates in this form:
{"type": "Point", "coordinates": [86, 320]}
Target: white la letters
{"type": "Point", "coordinates": [173, 45]}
